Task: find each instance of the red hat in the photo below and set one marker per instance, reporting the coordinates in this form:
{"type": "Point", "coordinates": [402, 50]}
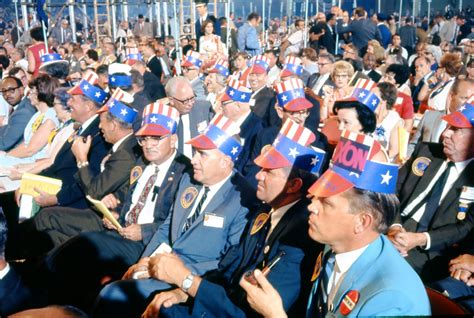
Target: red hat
{"type": "Point", "coordinates": [291, 96]}
{"type": "Point", "coordinates": [463, 117]}
{"type": "Point", "coordinates": [159, 119]}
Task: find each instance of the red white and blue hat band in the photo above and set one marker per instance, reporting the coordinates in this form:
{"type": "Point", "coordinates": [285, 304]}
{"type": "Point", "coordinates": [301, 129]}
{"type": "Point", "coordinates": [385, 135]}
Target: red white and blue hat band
{"type": "Point", "coordinates": [120, 80]}
{"type": "Point", "coordinates": [121, 111]}
{"type": "Point", "coordinates": [93, 92]}
{"type": "Point", "coordinates": [367, 98]}
{"type": "Point", "coordinates": [307, 158]}
{"type": "Point", "coordinates": [287, 96]}
{"type": "Point", "coordinates": [193, 60]}
{"type": "Point", "coordinates": [221, 69]}
{"type": "Point", "coordinates": [51, 57]}
{"type": "Point", "coordinates": [225, 143]}
{"type": "Point", "coordinates": [135, 56]}
{"type": "Point", "coordinates": [238, 96]}
{"type": "Point", "coordinates": [463, 117]}
{"type": "Point", "coordinates": [294, 68]}
{"type": "Point", "coordinates": [162, 120]}
{"type": "Point", "coordinates": [264, 65]}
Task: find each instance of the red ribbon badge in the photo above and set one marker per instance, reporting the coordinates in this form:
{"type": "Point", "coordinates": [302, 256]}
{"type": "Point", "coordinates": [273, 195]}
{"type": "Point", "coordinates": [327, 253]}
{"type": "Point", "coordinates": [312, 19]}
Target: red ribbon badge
{"type": "Point", "coordinates": [349, 302]}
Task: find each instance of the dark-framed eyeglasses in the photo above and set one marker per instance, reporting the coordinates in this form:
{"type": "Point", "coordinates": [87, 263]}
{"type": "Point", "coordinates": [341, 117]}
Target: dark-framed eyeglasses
{"type": "Point", "coordinates": [185, 101]}
{"type": "Point", "coordinates": [154, 140]}
{"type": "Point", "coordinates": [9, 90]}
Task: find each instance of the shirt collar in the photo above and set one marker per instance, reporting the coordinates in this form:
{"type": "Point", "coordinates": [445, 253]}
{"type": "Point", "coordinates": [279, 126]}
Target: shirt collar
{"type": "Point", "coordinates": [460, 166]}
{"type": "Point", "coordinates": [164, 166]}
{"type": "Point", "coordinates": [345, 260]}
{"type": "Point", "coordinates": [118, 143]}
{"type": "Point", "coordinates": [215, 187]}
{"type": "Point", "coordinates": [4, 271]}
{"type": "Point", "coordinates": [88, 122]}
{"type": "Point", "coordinates": [242, 118]}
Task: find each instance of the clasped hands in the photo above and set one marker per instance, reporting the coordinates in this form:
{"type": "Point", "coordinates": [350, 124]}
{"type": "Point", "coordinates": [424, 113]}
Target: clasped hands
{"type": "Point", "coordinates": [405, 241]}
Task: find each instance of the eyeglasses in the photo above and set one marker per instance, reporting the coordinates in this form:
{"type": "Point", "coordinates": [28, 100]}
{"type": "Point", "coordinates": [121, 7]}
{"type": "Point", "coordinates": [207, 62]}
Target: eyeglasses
{"type": "Point", "coordinates": [185, 101]}
{"type": "Point", "coordinates": [9, 90]}
{"type": "Point", "coordinates": [341, 75]}
{"type": "Point", "coordinates": [302, 113]}
{"type": "Point", "coordinates": [322, 64]}
{"type": "Point", "coordinates": [153, 140]}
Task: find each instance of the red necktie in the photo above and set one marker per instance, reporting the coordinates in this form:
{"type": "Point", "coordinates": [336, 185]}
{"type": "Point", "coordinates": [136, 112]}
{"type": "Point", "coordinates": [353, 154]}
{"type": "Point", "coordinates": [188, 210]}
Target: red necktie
{"type": "Point", "coordinates": [132, 216]}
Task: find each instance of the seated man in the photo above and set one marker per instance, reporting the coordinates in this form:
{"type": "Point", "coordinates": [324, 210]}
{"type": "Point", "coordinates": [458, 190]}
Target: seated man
{"type": "Point", "coordinates": [436, 200]}
{"type": "Point", "coordinates": [361, 274]}
{"type": "Point", "coordinates": [282, 182]}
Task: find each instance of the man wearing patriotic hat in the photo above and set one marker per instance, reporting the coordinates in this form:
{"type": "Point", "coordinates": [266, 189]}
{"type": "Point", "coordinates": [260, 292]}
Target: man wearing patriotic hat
{"type": "Point", "coordinates": [263, 97]}
{"type": "Point", "coordinates": [153, 183]}
{"type": "Point", "coordinates": [191, 66]}
{"type": "Point", "coordinates": [53, 65]}
{"type": "Point", "coordinates": [274, 231]}
{"type": "Point", "coordinates": [206, 220]}
{"type": "Point", "coordinates": [361, 273]}
{"type": "Point", "coordinates": [436, 194]}
{"type": "Point", "coordinates": [216, 81]}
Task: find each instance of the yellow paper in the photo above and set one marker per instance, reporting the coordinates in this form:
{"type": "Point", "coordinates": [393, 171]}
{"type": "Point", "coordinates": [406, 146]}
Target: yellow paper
{"type": "Point", "coordinates": [31, 181]}
{"type": "Point", "coordinates": [403, 138]}
{"type": "Point", "coordinates": [105, 211]}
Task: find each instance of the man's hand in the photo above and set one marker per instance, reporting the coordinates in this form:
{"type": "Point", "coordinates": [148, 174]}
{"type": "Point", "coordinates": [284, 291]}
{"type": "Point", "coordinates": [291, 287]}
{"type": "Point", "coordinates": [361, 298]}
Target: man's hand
{"type": "Point", "coordinates": [44, 199]}
{"type": "Point", "coordinates": [464, 262]}
{"type": "Point", "coordinates": [392, 235]}
{"type": "Point", "coordinates": [141, 266]}
{"type": "Point", "coordinates": [132, 232]}
{"type": "Point", "coordinates": [164, 299]}
{"type": "Point", "coordinates": [80, 148]}
{"type": "Point", "coordinates": [15, 174]}
{"type": "Point", "coordinates": [461, 274]}
{"type": "Point", "coordinates": [410, 240]}
{"type": "Point", "coordinates": [110, 201]}
{"type": "Point", "coordinates": [169, 268]}
{"type": "Point", "coordinates": [107, 224]}
{"type": "Point", "coordinates": [263, 298]}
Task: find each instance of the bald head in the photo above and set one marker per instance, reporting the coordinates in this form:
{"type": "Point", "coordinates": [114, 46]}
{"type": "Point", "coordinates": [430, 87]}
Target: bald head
{"type": "Point", "coordinates": [181, 94]}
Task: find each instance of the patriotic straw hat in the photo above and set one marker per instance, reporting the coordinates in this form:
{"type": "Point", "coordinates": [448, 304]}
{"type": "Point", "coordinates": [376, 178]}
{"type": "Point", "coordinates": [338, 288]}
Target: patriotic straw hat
{"type": "Point", "coordinates": [463, 117]}
{"type": "Point", "coordinates": [352, 168]}
{"type": "Point", "coordinates": [119, 75]}
{"type": "Point", "coordinates": [291, 67]}
{"type": "Point", "coordinates": [133, 55]}
{"type": "Point", "coordinates": [159, 119]}
{"type": "Point", "coordinates": [115, 105]}
{"type": "Point", "coordinates": [291, 148]}
{"type": "Point", "coordinates": [237, 92]}
{"type": "Point", "coordinates": [191, 59]}
{"type": "Point", "coordinates": [221, 67]}
{"type": "Point", "coordinates": [362, 94]}
{"type": "Point", "coordinates": [290, 95]}
{"type": "Point", "coordinates": [50, 58]}
{"type": "Point", "coordinates": [219, 135]}
{"type": "Point", "coordinates": [259, 65]}
{"type": "Point", "coordinates": [87, 88]}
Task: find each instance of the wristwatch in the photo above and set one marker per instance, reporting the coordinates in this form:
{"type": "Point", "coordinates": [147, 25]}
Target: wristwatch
{"type": "Point", "coordinates": [187, 282]}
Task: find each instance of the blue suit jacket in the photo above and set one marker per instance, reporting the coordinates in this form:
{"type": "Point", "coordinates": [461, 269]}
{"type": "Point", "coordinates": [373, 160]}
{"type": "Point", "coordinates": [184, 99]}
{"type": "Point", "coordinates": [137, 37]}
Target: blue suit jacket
{"type": "Point", "coordinates": [202, 246]}
{"type": "Point", "coordinates": [249, 129]}
{"type": "Point", "coordinates": [385, 34]}
{"type": "Point", "coordinates": [386, 283]}
{"type": "Point", "coordinates": [12, 133]}
{"type": "Point", "coordinates": [247, 39]}
{"type": "Point", "coordinates": [362, 31]}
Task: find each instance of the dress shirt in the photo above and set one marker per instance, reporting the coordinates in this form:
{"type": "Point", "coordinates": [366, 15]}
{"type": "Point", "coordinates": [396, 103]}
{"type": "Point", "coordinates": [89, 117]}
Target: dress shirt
{"type": "Point", "coordinates": [277, 215]}
{"type": "Point", "coordinates": [4, 271]}
{"type": "Point", "coordinates": [320, 82]}
{"type": "Point", "coordinates": [187, 148]}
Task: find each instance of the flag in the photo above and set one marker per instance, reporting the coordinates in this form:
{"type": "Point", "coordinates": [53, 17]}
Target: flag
{"type": "Point", "coordinates": [42, 16]}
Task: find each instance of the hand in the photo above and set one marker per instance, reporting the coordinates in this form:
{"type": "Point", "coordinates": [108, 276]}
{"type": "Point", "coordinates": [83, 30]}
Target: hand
{"type": "Point", "coordinates": [464, 261]}
{"type": "Point", "coordinates": [80, 148]}
{"type": "Point", "coordinates": [44, 199]}
{"type": "Point", "coordinates": [392, 235]}
{"type": "Point", "coordinates": [141, 266]}
{"type": "Point", "coordinates": [165, 299]}
{"type": "Point", "coordinates": [110, 201]}
{"type": "Point", "coordinates": [107, 224]}
{"type": "Point", "coordinates": [15, 174]}
{"type": "Point", "coordinates": [410, 240]}
{"type": "Point", "coordinates": [461, 274]}
{"type": "Point", "coordinates": [132, 232]}
{"type": "Point", "coordinates": [169, 268]}
{"type": "Point", "coordinates": [263, 298]}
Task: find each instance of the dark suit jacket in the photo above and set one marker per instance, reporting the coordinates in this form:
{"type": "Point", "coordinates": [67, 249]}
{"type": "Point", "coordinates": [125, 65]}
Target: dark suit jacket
{"type": "Point", "coordinates": [314, 78]}
{"type": "Point", "coordinates": [154, 90]}
{"type": "Point", "coordinates": [328, 39]}
{"type": "Point", "coordinates": [166, 195]}
{"type": "Point", "coordinates": [12, 133]}
{"type": "Point", "coordinates": [217, 27]}
{"type": "Point", "coordinates": [291, 276]}
{"type": "Point", "coordinates": [362, 30]}
{"type": "Point", "coordinates": [199, 118]}
{"type": "Point", "coordinates": [249, 129]}
{"type": "Point", "coordinates": [374, 75]}
{"type": "Point", "coordinates": [155, 66]}
{"type": "Point", "coordinates": [116, 174]}
{"type": "Point", "coordinates": [64, 167]}
{"type": "Point", "coordinates": [445, 229]}
{"type": "Point", "coordinates": [140, 101]}
{"type": "Point", "coordinates": [263, 102]}
{"type": "Point", "coordinates": [14, 295]}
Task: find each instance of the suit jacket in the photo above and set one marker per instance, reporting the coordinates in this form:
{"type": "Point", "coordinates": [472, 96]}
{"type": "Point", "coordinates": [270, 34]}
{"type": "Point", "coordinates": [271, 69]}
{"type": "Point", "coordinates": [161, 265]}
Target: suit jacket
{"type": "Point", "coordinates": [14, 295]}
{"type": "Point", "coordinates": [291, 276]}
{"type": "Point", "coordinates": [328, 39]}
{"type": "Point", "coordinates": [202, 246]}
{"type": "Point", "coordinates": [374, 75]}
{"type": "Point", "coordinates": [12, 133]}
{"type": "Point", "coordinates": [147, 30]}
{"type": "Point", "coordinates": [312, 80]}
{"type": "Point", "coordinates": [154, 65]}
{"type": "Point", "coordinates": [199, 117]}
{"type": "Point", "coordinates": [64, 167]}
{"type": "Point", "coordinates": [140, 101]}
{"type": "Point", "coordinates": [262, 104]}
{"type": "Point", "coordinates": [445, 229]}
{"type": "Point", "coordinates": [116, 174]}
{"type": "Point", "coordinates": [385, 34]}
{"type": "Point", "coordinates": [166, 195]}
{"type": "Point", "coordinates": [362, 30]}
{"type": "Point", "coordinates": [429, 129]}
{"type": "Point", "coordinates": [154, 90]}
{"type": "Point", "coordinates": [199, 89]}
{"type": "Point", "coordinates": [249, 129]}
{"type": "Point", "coordinates": [247, 39]}
{"type": "Point", "coordinates": [56, 34]}
{"type": "Point", "coordinates": [390, 288]}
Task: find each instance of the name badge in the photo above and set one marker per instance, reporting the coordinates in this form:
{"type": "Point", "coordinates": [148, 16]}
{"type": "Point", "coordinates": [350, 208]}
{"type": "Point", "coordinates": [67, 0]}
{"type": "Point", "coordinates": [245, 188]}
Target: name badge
{"type": "Point", "coordinates": [467, 193]}
{"type": "Point", "coordinates": [252, 102]}
{"type": "Point", "coordinates": [212, 220]}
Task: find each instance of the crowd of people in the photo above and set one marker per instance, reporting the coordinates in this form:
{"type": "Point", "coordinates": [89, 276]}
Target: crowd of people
{"type": "Point", "coordinates": [304, 171]}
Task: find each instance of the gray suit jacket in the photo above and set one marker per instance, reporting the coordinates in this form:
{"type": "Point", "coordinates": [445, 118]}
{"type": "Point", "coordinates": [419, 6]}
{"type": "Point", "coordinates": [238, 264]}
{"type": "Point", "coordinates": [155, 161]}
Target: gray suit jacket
{"type": "Point", "coordinates": [198, 88]}
{"type": "Point", "coordinates": [12, 133]}
{"type": "Point", "coordinates": [429, 129]}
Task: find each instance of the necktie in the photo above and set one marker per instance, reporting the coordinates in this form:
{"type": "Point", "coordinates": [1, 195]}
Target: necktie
{"type": "Point", "coordinates": [180, 135]}
{"type": "Point", "coordinates": [432, 199]}
{"type": "Point", "coordinates": [261, 239]}
{"type": "Point", "coordinates": [320, 290]}
{"type": "Point", "coordinates": [190, 220]}
{"type": "Point", "coordinates": [132, 216]}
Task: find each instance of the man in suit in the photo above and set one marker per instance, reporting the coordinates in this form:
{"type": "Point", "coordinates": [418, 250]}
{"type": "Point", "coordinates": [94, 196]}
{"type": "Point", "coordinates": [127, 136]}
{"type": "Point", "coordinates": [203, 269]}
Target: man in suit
{"type": "Point", "coordinates": [385, 33]}
{"type": "Point", "coordinates": [17, 31]}
{"type": "Point", "coordinates": [194, 114]}
{"type": "Point", "coordinates": [191, 67]}
{"type": "Point", "coordinates": [247, 37]}
{"type": "Point", "coordinates": [203, 225]}
{"type": "Point", "coordinates": [350, 209]}
{"type": "Point", "coordinates": [262, 97]}
{"type": "Point", "coordinates": [143, 28]}
{"type": "Point", "coordinates": [328, 39]}
{"type": "Point", "coordinates": [153, 88]}
{"type": "Point", "coordinates": [153, 185]}
{"type": "Point", "coordinates": [422, 75]}
{"type": "Point", "coordinates": [369, 62]}
{"type": "Point", "coordinates": [317, 80]}
{"type": "Point", "coordinates": [203, 15]}
{"type": "Point", "coordinates": [14, 94]}
{"type": "Point", "coordinates": [151, 60]}
{"type": "Point", "coordinates": [435, 188]}
{"type": "Point", "coordinates": [283, 181]}
{"type": "Point", "coordinates": [362, 29]}
{"type": "Point", "coordinates": [431, 125]}
{"type": "Point", "coordinates": [62, 33]}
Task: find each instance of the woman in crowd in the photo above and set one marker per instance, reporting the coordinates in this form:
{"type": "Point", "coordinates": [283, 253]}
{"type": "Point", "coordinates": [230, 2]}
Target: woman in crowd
{"type": "Point", "coordinates": [210, 44]}
{"type": "Point", "coordinates": [341, 76]}
{"type": "Point", "coordinates": [38, 129]}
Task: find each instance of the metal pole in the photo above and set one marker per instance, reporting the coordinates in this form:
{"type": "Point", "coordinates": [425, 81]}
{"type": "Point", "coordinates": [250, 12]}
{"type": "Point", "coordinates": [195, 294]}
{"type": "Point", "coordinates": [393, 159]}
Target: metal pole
{"type": "Point", "coordinates": [227, 14]}
{"type": "Point", "coordinates": [114, 20]}
{"type": "Point", "coordinates": [84, 16]}
{"type": "Point", "coordinates": [72, 20]}
{"type": "Point", "coordinates": [337, 33]}
{"type": "Point", "coordinates": [193, 19]}
{"type": "Point", "coordinates": [378, 6]}
{"type": "Point", "coordinates": [270, 11]}
{"type": "Point", "coordinates": [178, 53]}
{"type": "Point", "coordinates": [305, 31]}
{"type": "Point", "coordinates": [281, 10]}
{"type": "Point", "coordinates": [17, 24]}
{"type": "Point", "coordinates": [460, 5]}
{"type": "Point", "coordinates": [429, 11]}
{"type": "Point", "coordinates": [317, 6]}
{"type": "Point", "coordinates": [158, 17]}
{"type": "Point", "coordinates": [251, 7]}
{"type": "Point", "coordinates": [125, 10]}
{"type": "Point", "coordinates": [414, 11]}
{"type": "Point", "coordinates": [24, 13]}
{"type": "Point", "coordinates": [263, 23]}
{"type": "Point", "coordinates": [45, 38]}
{"type": "Point", "coordinates": [165, 16]}
{"type": "Point", "coordinates": [400, 14]}
{"type": "Point", "coordinates": [150, 11]}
